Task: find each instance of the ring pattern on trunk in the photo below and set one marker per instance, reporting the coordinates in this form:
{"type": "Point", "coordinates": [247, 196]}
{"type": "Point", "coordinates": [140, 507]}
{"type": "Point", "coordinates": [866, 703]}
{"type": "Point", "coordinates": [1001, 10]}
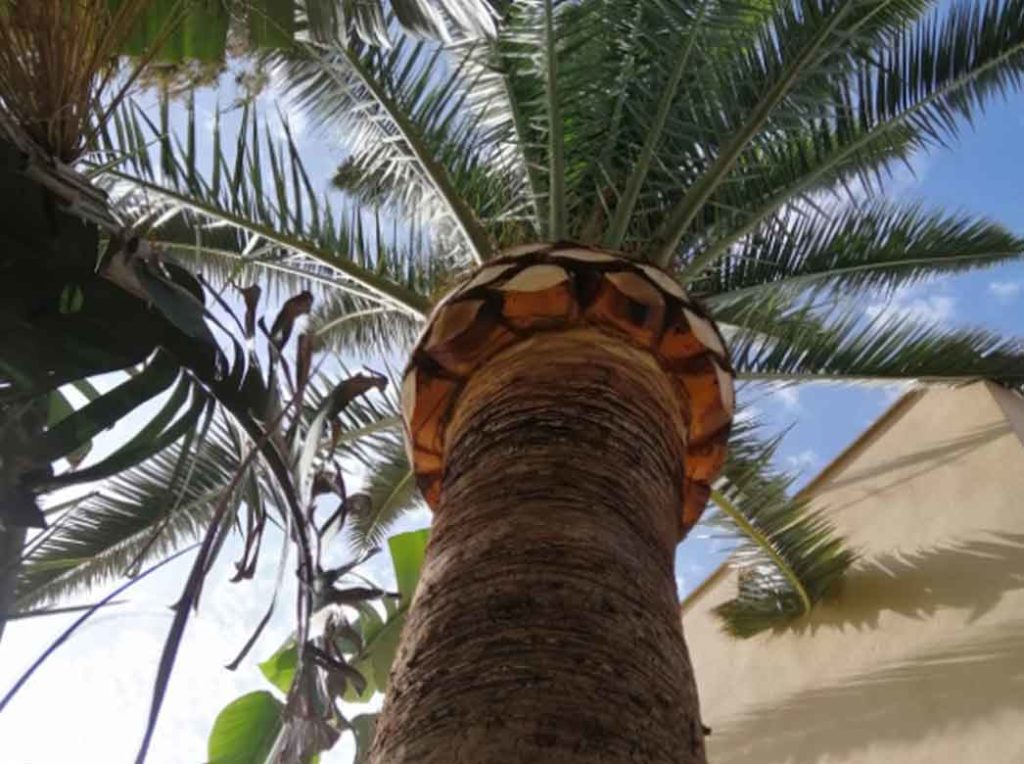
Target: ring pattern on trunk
{"type": "Point", "coordinates": [557, 287]}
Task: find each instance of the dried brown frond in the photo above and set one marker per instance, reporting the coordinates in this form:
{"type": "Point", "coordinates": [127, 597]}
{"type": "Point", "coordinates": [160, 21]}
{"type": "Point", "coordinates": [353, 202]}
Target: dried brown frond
{"type": "Point", "coordinates": [59, 74]}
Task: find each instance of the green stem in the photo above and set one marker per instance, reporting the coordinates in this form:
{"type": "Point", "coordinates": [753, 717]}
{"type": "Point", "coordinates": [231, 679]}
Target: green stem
{"type": "Point", "coordinates": [556, 137]}
{"type": "Point", "coordinates": [670, 234]}
{"type": "Point", "coordinates": [764, 545]}
{"type": "Point", "coordinates": [624, 209]}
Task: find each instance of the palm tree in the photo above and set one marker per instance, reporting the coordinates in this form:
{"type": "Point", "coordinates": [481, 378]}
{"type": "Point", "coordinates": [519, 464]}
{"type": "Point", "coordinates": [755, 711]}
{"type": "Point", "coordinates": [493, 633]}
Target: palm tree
{"type": "Point", "coordinates": [564, 182]}
{"type": "Point", "coordinates": [74, 312]}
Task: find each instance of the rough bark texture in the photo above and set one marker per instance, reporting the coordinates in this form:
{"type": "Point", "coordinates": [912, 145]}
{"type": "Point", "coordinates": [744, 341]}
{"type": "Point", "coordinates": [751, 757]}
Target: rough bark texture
{"type": "Point", "coordinates": [546, 625]}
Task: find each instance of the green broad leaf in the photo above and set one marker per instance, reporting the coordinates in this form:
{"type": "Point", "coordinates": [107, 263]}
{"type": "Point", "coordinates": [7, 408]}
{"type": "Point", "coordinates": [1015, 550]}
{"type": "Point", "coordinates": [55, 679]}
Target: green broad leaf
{"type": "Point", "coordinates": [176, 304]}
{"type": "Point", "coordinates": [59, 409]}
{"type": "Point", "coordinates": [75, 430]}
{"type": "Point", "coordinates": [160, 433]}
{"type": "Point", "coordinates": [363, 727]}
{"type": "Point", "coordinates": [279, 668]}
{"type": "Point", "coordinates": [380, 637]}
{"type": "Point", "coordinates": [71, 299]}
{"type": "Point", "coordinates": [407, 552]}
{"type": "Point", "coordinates": [245, 730]}
{"type": "Point", "coordinates": [86, 388]}
{"type": "Point", "coordinates": [384, 649]}
{"type": "Point", "coordinates": [204, 31]}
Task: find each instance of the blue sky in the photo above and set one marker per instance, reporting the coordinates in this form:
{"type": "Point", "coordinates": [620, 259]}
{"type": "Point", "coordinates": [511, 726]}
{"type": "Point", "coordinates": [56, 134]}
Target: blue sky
{"type": "Point", "coordinates": [94, 694]}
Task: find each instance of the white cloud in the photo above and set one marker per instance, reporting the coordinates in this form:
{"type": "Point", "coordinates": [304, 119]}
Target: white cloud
{"type": "Point", "coordinates": [805, 460]}
{"type": "Point", "coordinates": [1006, 290]}
{"type": "Point", "coordinates": [908, 304]}
{"type": "Point", "coordinates": [789, 397]}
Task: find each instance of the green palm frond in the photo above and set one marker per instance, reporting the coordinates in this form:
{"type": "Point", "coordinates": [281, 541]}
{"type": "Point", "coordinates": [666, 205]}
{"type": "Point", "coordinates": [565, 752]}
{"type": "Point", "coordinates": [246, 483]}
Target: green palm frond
{"type": "Point", "coordinates": [279, 215]}
{"type": "Point", "coordinates": [875, 246]}
{"type": "Point", "coordinates": [744, 143]}
{"type": "Point", "coordinates": [391, 488]}
{"type": "Point", "coordinates": [788, 557]}
{"type": "Point", "coordinates": [408, 138]}
{"type": "Point", "coordinates": [143, 514]}
{"type": "Point", "coordinates": [350, 325]}
{"type": "Point", "coordinates": [850, 348]}
{"type": "Point", "coordinates": [915, 88]}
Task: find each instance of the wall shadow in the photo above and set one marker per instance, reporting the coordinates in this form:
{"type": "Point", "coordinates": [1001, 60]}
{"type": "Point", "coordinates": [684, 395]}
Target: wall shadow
{"type": "Point", "coordinates": [972, 575]}
{"type": "Point", "coordinates": [900, 702]}
{"type": "Point", "coordinates": [928, 459]}
{"type": "Point", "coordinates": [982, 672]}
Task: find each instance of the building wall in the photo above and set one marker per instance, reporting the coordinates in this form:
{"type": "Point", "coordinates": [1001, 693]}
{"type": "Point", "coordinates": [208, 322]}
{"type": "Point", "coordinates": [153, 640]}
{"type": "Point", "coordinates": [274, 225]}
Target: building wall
{"type": "Point", "coordinates": [920, 656]}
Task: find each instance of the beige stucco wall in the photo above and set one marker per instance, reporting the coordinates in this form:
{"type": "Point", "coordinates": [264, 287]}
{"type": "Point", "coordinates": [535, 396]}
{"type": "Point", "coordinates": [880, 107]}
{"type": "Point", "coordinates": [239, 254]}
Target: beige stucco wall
{"type": "Point", "coordinates": [920, 656]}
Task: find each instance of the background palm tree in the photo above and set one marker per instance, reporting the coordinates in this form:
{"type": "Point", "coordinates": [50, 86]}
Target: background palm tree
{"type": "Point", "coordinates": [740, 146]}
{"type": "Point", "coordinates": [75, 283]}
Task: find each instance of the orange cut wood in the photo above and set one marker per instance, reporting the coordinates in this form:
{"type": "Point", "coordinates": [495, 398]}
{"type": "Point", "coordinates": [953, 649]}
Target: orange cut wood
{"type": "Point", "coordinates": [707, 414]}
{"type": "Point", "coordinates": [585, 255]}
{"type": "Point", "coordinates": [704, 460]}
{"type": "Point", "coordinates": [486, 275]}
{"type": "Point", "coordinates": [539, 295]}
{"type": "Point", "coordinates": [705, 331]}
{"type": "Point", "coordinates": [464, 334]}
{"type": "Point", "coordinates": [695, 498]}
{"type": "Point", "coordinates": [630, 304]}
{"type": "Point", "coordinates": [429, 484]}
{"type": "Point", "coordinates": [679, 344]}
{"type": "Point", "coordinates": [432, 398]}
{"type": "Point", "coordinates": [525, 249]}
{"type": "Point", "coordinates": [538, 287]}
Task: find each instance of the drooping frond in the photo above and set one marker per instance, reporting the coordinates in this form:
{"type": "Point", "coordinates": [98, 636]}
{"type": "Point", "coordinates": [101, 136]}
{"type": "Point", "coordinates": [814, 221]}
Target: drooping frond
{"type": "Point", "coordinates": [367, 426]}
{"type": "Point", "coordinates": [788, 557]}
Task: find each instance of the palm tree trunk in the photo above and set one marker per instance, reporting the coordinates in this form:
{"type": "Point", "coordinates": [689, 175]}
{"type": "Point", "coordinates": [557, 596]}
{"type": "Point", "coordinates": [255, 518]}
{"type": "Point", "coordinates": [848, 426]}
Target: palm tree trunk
{"type": "Point", "coordinates": [546, 624]}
